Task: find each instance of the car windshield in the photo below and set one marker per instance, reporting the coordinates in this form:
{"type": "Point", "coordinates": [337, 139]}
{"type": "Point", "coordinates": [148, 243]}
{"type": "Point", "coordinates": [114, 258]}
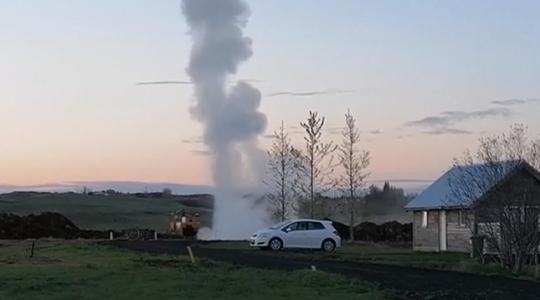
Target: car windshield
{"type": "Point", "coordinates": [279, 225]}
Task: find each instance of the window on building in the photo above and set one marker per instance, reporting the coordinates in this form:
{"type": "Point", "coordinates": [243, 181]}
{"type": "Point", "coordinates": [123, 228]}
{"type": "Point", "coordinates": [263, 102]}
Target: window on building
{"type": "Point", "coordinates": [424, 218]}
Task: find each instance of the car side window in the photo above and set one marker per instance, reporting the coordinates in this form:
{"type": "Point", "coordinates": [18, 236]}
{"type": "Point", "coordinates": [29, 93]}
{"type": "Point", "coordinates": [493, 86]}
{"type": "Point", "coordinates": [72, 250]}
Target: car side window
{"type": "Point", "coordinates": [302, 226]}
{"type": "Point", "coordinates": [315, 226]}
{"type": "Point", "coordinates": [291, 227]}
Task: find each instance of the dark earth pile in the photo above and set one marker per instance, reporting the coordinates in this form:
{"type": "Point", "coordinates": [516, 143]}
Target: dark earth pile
{"type": "Point", "coordinates": [55, 225]}
{"type": "Point", "coordinates": [368, 231]}
{"type": "Point", "coordinates": [342, 229]}
{"type": "Point", "coordinates": [47, 224]}
{"type": "Point", "coordinates": [386, 232]}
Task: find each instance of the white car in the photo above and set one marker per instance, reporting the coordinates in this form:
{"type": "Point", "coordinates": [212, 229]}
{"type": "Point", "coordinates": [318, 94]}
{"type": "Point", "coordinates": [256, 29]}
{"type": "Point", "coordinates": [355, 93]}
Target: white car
{"type": "Point", "coordinates": [304, 233]}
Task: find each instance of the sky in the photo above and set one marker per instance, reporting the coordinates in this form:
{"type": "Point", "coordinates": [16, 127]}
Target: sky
{"type": "Point", "coordinates": [425, 80]}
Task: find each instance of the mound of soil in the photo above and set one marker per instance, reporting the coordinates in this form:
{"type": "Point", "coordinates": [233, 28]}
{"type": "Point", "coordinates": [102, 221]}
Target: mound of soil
{"type": "Point", "coordinates": [47, 224]}
{"type": "Point", "coordinates": [342, 229]}
{"type": "Point", "coordinates": [368, 231]}
{"type": "Point", "coordinates": [55, 225]}
{"type": "Point", "coordinates": [387, 232]}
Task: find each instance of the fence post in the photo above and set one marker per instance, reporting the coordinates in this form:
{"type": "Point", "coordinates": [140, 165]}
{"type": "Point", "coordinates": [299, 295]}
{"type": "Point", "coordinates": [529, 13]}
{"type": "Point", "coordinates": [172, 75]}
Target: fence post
{"type": "Point", "coordinates": [191, 254]}
{"type": "Point", "coordinates": [32, 249]}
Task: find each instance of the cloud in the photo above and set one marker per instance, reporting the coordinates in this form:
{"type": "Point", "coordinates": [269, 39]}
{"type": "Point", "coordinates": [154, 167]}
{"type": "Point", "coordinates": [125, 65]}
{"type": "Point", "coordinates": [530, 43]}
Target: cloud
{"type": "Point", "coordinates": [515, 101]}
{"type": "Point", "coordinates": [376, 131]}
{"type": "Point", "coordinates": [310, 93]}
{"type": "Point", "coordinates": [444, 119]}
{"type": "Point", "coordinates": [444, 122]}
{"type": "Point", "coordinates": [202, 152]}
{"type": "Point", "coordinates": [193, 140]}
{"type": "Point", "coordinates": [447, 131]}
{"type": "Point", "coordinates": [163, 82]}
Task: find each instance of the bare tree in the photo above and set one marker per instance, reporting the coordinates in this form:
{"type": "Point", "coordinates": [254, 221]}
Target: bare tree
{"type": "Point", "coordinates": [316, 166]}
{"type": "Point", "coordinates": [503, 198]}
{"type": "Point", "coordinates": [282, 165]}
{"type": "Point", "coordinates": [354, 162]}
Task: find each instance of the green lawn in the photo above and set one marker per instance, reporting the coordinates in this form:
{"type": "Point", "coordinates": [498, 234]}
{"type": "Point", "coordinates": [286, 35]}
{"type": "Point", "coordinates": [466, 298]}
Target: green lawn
{"type": "Point", "coordinates": [402, 254]}
{"type": "Point", "coordinates": [81, 270]}
{"type": "Point", "coordinates": [101, 212]}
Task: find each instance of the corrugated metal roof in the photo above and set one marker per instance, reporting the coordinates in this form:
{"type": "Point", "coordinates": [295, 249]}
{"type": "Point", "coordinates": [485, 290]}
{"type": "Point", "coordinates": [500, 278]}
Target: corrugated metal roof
{"type": "Point", "coordinates": [443, 193]}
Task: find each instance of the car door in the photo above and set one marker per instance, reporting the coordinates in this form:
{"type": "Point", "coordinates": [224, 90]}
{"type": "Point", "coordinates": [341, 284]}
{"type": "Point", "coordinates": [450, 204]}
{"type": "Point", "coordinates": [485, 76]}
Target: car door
{"type": "Point", "coordinates": [295, 235]}
{"type": "Point", "coordinates": [315, 234]}
{"type": "Point", "coordinates": [290, 238]}
{"type": "Point", "coordinates": [303, 235]}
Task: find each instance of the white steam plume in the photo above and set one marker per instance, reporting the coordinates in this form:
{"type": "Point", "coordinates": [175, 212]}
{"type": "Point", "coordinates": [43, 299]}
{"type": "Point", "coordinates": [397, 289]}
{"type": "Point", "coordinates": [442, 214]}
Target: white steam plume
{"type": "Point", "coordinates": [230, 116]}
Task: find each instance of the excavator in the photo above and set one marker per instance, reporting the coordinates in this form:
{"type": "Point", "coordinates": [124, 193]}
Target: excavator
{"type": "Point", "coordinates": [184, 225]}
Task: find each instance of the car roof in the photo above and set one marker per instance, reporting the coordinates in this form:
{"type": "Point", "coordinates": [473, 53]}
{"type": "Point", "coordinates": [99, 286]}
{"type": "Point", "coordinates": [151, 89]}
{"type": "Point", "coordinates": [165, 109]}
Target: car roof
{"type": "Point", "coordinates": [310, 220]}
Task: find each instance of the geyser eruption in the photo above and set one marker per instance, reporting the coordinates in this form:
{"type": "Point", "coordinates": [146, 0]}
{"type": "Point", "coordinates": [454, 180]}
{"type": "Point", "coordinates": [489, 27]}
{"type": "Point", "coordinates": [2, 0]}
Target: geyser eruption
{"type": "Point", "coordinates": [230, 116]}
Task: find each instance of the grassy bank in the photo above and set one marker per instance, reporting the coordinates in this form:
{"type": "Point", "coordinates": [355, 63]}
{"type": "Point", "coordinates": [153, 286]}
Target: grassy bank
{"type": "Point", "coordinates": [81, 270]}
{"type": "Point", "coordinates": [402, 255]}
{"type": "Point", "coordinates": [100, 212]}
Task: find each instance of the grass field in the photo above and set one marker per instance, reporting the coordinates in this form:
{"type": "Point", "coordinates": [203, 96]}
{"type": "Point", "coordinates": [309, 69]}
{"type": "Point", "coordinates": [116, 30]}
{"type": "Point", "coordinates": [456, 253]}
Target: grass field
{"type": "Point", "coordinates": [101, 212]}
{"type": "Point", "coordinates": [402, 255]}
{"type": "Point", "coordinates": [82, 270]}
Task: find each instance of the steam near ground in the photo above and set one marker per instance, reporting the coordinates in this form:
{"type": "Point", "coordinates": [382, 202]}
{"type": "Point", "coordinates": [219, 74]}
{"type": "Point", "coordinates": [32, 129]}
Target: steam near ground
{"type": "Point", "coordinates": [229, 115]}
{"type": "Point", "coordinates": [236, 217]}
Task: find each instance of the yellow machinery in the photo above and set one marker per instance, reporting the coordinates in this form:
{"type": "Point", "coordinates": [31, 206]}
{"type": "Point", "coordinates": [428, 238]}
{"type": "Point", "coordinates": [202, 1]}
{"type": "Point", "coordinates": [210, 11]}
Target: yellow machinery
{"type": "Point", "coordinates": [184, 224]}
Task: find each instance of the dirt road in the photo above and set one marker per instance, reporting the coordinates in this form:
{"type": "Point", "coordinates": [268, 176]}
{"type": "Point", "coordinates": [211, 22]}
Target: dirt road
{"type": "Point", "coordinates": [405, 282]}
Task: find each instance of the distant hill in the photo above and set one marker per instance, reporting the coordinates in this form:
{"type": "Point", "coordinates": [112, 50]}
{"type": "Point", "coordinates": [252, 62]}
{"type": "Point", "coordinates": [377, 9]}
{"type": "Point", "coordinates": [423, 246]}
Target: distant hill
{"type": "Point", "coordinates": [410, 186]}
{"type": "Point", "coordinates": [121, 186]}
{"type": "Point", "coordinates": [102, 211]}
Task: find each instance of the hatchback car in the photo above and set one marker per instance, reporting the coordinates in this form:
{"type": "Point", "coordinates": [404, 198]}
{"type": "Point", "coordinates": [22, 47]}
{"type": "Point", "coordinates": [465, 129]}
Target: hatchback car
{"type": "Point", "coordinates": [304, 233]}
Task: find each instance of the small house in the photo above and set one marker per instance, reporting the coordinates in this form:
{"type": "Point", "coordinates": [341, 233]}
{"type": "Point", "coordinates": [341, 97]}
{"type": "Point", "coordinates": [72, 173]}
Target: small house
{"type": "Point", "coordinates": [442, 221]}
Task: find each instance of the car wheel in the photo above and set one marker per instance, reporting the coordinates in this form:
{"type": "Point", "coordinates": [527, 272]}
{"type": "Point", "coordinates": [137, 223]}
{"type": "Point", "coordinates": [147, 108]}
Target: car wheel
{"type": "Point", "coordinates": [275, 244]}
{"type": "Point", "coordinates": [328, 245]}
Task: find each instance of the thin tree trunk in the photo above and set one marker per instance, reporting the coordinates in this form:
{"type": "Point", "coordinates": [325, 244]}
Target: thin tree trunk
{"type": "Point", "coordinates": [312, 197]}
{"type": "Point", "coordinates": [351, 221]}
{"type": "Point", "coordinates": [283, 214]}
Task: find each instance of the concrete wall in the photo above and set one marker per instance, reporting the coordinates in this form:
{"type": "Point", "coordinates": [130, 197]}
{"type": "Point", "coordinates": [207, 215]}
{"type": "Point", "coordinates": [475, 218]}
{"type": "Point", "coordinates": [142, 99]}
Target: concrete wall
{"type": "Point", "coordinates": [426, 238]}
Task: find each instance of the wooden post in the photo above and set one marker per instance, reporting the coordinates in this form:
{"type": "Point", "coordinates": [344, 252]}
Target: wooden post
{"type": "Point", "coordinates": [111, 236]}
{"type": "Point", "coordinates": [191, 254]}
{"type": "Point", "coordinates": [32, 249]}
{"type": "Point", "coordinates": [155, 235]}
{"type": "Point", "coordinates": [313, 268]}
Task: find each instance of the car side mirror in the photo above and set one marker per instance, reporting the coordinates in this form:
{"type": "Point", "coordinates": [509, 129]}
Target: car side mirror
{"type": "Point", "coordinates": [286, 230]}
